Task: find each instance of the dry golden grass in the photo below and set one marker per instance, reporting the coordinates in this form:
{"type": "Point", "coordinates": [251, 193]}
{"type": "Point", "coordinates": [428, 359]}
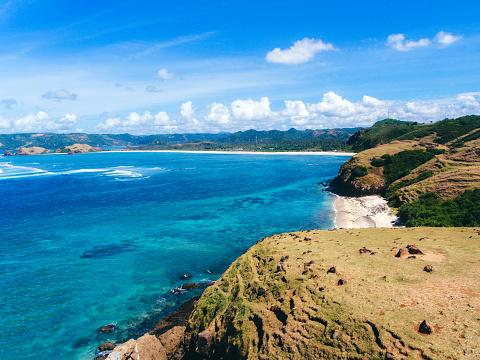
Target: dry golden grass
{"type": "Point", "coordinates": [278, 300]}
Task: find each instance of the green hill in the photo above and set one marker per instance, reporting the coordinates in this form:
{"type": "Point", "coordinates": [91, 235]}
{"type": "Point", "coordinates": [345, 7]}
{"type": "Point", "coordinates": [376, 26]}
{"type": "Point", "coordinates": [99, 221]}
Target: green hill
{"type": "Point", "coordinates": [428, 166]}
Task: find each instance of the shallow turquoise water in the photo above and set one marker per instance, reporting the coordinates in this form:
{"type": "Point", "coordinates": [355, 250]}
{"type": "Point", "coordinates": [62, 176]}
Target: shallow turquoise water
{"type": "Point", "coordinates": [92, 239]}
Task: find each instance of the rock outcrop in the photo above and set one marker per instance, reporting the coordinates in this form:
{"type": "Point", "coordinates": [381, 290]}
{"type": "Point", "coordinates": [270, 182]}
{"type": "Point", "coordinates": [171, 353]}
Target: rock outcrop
{"type": "Point", "coordinates": [78, 148]}
{"type": "Point", "coordinates": [32, 150]}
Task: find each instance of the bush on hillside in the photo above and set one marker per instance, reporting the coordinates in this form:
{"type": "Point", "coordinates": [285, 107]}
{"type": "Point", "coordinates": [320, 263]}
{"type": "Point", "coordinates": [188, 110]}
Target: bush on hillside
{"type": "Point", "coordinates": [430, 210]}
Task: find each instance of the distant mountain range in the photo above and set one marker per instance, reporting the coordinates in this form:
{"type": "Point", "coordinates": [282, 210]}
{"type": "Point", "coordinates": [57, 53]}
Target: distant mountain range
{"type": "Point", "coordinates": [274, 140]}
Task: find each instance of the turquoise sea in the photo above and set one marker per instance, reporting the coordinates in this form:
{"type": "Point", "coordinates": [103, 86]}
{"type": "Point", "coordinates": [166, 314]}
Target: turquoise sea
{"type": "Point", "coordinates": [92, 239]}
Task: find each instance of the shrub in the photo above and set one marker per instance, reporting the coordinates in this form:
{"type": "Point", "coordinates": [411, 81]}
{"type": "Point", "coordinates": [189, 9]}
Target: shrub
{"type": "Point", "coordinates": [430, 210]}
{"type": "Point", "coordinates": [358, 171]}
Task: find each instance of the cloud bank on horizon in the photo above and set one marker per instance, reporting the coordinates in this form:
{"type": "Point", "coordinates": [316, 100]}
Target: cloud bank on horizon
{"type": "Point", "coordinates": [115, 68]}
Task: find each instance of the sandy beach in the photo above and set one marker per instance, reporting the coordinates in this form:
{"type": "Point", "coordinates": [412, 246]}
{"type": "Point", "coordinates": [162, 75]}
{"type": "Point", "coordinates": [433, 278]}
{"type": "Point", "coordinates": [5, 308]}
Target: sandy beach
{"type": "Point", "coordinates": [239, 152]}
{"type": "Point", "coordinates": [362, 212]}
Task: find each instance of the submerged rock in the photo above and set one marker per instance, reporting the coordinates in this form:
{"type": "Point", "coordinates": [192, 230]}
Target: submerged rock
{"type": "Point", "coordinates": [107, 328]}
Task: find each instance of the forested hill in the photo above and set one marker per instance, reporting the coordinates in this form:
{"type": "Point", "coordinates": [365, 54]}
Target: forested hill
{"type": "Point", "coordinates": [274, 140]}
{"type": "Point", "coordinates": [387, 130]}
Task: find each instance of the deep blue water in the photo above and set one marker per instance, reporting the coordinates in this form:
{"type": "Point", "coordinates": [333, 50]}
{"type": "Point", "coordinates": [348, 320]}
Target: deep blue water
{"type": "Point", "coordinates": [92, 239]}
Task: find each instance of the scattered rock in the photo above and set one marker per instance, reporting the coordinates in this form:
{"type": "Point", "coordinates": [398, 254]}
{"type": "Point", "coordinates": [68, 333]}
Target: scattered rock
{"type": "Point", "coordinates": [341, 282]}
{"type": "Point", "coordinates": [284, 257]}
{"type": "Point", "coordinates": [106, 346]}
{"type": "Point", "coordinates": [186, 276]}
{"type": "Point", "coordinates": [178, 290]}
{"type": "Point", "coordinates": [107, 328]}
{"type": "Point", "coordinates": [204, 342]}
{"type": "Point", "coordinates": [364, 250]}
{"type": "Point", "coordinates": [414, 250]}
{"type": "Point", "coordinates": [425, 328]}
{"type": "Point", "coordinates": [332, 270]}
{"type": "Point", "coordinates": [280, 267]}
{"type": "Point", "coordinates": [403, 252]}
{"type": "Point", "coordinates": [208, 271]}
{"type": "Point", "coordinates": [428, 268]}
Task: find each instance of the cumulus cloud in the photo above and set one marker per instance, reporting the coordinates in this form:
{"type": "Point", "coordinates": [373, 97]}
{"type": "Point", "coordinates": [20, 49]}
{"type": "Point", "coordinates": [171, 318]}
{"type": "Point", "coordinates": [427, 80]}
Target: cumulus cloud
{"type": "Point", "coordinates": [164, 74]}
{"type": "Point", "coordinates": [400, 43]}
{"type": "Point", "coordinates": [331, 111]}
{"type": "Point", "coordinates": [219, 113]}
{"type": "Point", "coordinates": [8, 103]}
{"type": "Point", "coordinates": [250, 109]}
{"type": "Point", "coordinates": [60, 95]}
{"type": "Point", "coordinates": [442, 39]}
{"type": "Point", "coordinates": [300, 52]}
{"type": "Point", "coordinates": [137, 123]}
{"type": "Point", "coordinates": [39, 122]}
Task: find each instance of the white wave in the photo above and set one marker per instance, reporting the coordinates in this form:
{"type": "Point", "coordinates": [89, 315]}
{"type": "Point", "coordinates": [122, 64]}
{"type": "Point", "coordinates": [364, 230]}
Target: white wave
{"type": "Point", "coordinates": [123, 173]}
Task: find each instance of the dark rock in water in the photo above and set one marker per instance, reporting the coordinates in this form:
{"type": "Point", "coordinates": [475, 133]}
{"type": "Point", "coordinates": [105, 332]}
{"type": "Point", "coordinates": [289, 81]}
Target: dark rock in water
{"type": "Point", "coordinates": [178, 318]}
{"type": "Point", "coordinates": [106, 346]}
{"type": "Point", "coordinates": [413, 249]}
{"type": "Point", "coordinates": [102, 355]}
{"type": "Point", "coordinates": [425, 328]}
{"type": "Point", "coordinates": [103, 251]}
{"type": "Point", "coordinates": [194, 285]}
{"type": "Point", "coordinates": [208, 271]}
{"type": "Point", "coordinates": [8, 153]}
{"type": "Point", "coordinates": [186, 276]}
{"type": "Point", "coordinates": [178, 290]}
{"type": "Point", "coordinates": [204, 342]}
{"type": "Point", "coordinates": [108, 328]}
{"type": "Point", "coordinates": [341, 282]}
{"type": "Point", "coordinates": [332, 270]}
{"type": "Point", "coordinates": [428, 268]}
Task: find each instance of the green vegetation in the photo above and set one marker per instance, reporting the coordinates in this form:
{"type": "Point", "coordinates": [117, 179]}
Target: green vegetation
{"type": "Point", "coordinates": [358, 171]}
{"type": "Point", "coordinates": [429, 210]}
{"type": "Point", "coordinates": [445, 130]}
{"type": "Point", "coordinates": [393, 201]}
{"type": "Point", "coordinates": [399, 165]}
{"type": "Point", "coordinates": [387, 130]}
{"type": "Point", "coordinates": [381, 132]}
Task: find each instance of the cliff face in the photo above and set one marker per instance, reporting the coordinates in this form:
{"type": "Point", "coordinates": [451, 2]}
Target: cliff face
{"type": "Point", "coordinates": [345, 295]}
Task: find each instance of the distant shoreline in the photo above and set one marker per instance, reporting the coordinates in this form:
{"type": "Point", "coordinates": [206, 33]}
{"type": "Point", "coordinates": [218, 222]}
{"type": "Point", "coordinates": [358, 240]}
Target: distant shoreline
{"type": "Point", "coordinates": [240, 152]}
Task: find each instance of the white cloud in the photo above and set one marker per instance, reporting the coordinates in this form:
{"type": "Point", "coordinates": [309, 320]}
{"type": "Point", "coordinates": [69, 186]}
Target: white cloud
{"type": "Point", "coordinates": [153, 89]}
{"type": "Point", "coordinates": [136, 123]}
{"type": "Point", "coordinates": [60, 95]}
{"type": "Point", "coordinates": [371, 101]}
{"type": "Point", "coordinates": [296, 111]}
{"type": "Point", "coordinates": [333, 105]}
{"type": "Point", "coordinates": [187, 111]}
{"type": "Point", "coordinates": [164, 74]}
{"type": "Point", "coordinates": [39, 122]}
{"type": "Point", "coordinates": [250, 109]}
{"type": "Point", "coordinates": [219, 113]}
{"type": "Point", "coordinates": [444, 38]}
{"type": "Point", "coordinates": [398, 42]}
{"type": "Point", "coordinates": [300, 52]}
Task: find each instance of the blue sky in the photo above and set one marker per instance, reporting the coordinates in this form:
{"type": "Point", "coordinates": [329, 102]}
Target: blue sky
{"type": "Point", "coordinates": [194, 66]}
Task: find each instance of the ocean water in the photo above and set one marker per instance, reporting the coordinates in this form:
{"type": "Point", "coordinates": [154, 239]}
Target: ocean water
{"type": "Point", "coordinates": [92, 239]}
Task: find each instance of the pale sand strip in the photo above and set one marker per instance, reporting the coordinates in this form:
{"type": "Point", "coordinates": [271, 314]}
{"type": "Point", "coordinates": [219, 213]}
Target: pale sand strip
{"type": "Point", "coordinates": [313, 153]}
{"type": "Point", "coordinates": [362, 212]}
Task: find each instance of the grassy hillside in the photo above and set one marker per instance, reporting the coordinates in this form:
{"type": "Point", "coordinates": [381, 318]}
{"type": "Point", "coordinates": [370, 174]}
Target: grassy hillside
{"type": "Point", "coordinates": [441, 159]}
{"type": "Point", "coordinates": [345, 295]}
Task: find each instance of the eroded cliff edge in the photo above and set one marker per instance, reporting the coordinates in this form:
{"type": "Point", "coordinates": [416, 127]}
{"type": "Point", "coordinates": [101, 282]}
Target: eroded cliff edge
{"type": "Point", "coordinates": [341, 294]}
